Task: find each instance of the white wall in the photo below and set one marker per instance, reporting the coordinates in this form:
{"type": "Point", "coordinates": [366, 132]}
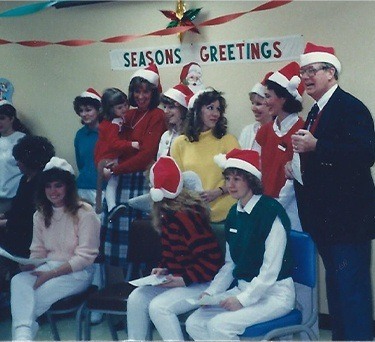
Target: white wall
{"type": "Point", "coordinates": [47, 79]}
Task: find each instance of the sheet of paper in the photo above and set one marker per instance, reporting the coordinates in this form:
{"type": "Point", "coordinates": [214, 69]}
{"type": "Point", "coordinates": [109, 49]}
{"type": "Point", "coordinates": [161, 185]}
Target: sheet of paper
{"type": "Point", "coordinates": [149, 280]}
{"type": "Point", "coordinates": [23, 261]}
{"type": "Point", "coordinates": [296, 167]}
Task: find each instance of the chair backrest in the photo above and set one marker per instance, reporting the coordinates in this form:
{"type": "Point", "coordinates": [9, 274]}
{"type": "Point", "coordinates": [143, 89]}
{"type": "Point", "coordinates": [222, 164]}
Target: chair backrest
{"type": "Point", "coordinates": [304, 258]}
{"type": "Point", "coordinates": [144, 242]}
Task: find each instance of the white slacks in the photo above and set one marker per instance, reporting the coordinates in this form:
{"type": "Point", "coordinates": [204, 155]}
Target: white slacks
{"type": "Point", "coordinates": [215, 323]}
{"type": "Point", "coordinates": [28, 304]}
{"type": "Point", "coordinates": [161, 305]}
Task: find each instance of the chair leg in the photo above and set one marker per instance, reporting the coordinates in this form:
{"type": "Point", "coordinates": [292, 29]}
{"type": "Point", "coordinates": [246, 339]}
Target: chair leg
{"type": "Point", "coordinates": [80, 322]}
{"type": "Point", "coordinates": [52, 324]}
{"type": "Point", "coordinates": [112, 328]}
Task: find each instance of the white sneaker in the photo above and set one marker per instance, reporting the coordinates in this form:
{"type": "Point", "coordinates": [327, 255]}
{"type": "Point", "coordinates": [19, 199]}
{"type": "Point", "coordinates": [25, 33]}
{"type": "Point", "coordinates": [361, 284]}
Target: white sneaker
{"type": "Point", "coordinates": [96, 317]}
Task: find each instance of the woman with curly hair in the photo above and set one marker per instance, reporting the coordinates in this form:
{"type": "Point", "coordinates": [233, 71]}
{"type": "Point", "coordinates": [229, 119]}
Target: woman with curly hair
{"type": "Point", "coordinates": [66, 233]}
{"type": "Point", "coordinates": [190, 259]}
{"type": "Point", "coordinates": [204, 136]}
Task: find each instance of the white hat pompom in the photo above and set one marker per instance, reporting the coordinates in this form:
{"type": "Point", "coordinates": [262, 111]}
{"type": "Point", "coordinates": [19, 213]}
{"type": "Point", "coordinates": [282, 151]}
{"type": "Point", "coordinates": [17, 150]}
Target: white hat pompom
{"type": "Point", "coordinates": [220, 160]}
{"type": "Point", "coordinates": [156, 194]}
{"type": "Point", "coordinates": [294, 83]}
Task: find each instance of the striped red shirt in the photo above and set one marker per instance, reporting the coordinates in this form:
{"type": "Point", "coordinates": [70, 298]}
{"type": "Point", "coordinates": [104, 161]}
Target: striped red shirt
{"type": "Point", "coordinates": [189, 247]}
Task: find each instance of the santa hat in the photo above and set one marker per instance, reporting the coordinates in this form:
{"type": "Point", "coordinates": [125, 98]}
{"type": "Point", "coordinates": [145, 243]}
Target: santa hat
{"type": "Point", "coordinates": [319, 54]}
{"type": "Point", "coordinates": [288, 78]}
{"type": "Point", "coordinates": [194, 97]}
{"type": "Point", "coordinates": [5, 102]}
{"type": "Point", "coordinates": [150, 74]}
{"type": "Point", "coordinates": [258, 89]}
{"type": "Point", "coordinates": [166, 179]}
{"type": "Point", "coordinates": [180, 93]}
{"type": "Point", "coordinates": [91, 93]}
{"type": "Point", "coordinates": [187, 69]}
{"type": "Point", "coordinates": [59, 163]}
{"type": "Point", "coordinates": [247, 160]}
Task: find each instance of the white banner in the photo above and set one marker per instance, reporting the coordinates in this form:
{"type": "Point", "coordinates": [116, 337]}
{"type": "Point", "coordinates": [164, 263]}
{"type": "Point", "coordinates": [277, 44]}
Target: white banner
{"type": "Point", "coordinates": [242, 51]}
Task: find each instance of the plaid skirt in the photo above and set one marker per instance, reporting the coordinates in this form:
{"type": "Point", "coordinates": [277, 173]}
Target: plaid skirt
{"type": "Point", "coordinates": [116, 232]}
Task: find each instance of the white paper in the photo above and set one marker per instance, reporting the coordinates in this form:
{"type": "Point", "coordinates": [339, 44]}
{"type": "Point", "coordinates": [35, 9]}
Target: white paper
{"type": "Point", "coordinates": [296, 168]}
{"type": "Point", "coordinates": [23, 261]}
{"type": "Point", "coordinates": [152, 280]}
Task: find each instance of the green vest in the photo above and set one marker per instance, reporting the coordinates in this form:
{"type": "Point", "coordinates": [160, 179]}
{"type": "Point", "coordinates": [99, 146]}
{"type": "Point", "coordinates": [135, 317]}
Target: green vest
{"type": "Point", "coordinates": [247, 244]}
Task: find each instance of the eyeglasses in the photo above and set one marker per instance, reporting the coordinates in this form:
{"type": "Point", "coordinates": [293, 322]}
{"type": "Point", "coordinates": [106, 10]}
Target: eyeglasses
{"type": "Point", "coordinates": [311, 72]}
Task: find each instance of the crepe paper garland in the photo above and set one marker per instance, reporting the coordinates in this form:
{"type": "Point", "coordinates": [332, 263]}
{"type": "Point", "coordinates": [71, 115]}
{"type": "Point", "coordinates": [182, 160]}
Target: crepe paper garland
{"type": "Point", "coordinates": [27, 9]}
{"type": "Point", "coordinates": [164, 32]}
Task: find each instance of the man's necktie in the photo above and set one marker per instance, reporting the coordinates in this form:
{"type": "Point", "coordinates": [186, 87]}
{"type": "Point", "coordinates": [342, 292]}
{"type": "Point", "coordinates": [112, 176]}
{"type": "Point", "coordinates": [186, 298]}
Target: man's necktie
{"type": "Point", "coordinates": [312, 116]}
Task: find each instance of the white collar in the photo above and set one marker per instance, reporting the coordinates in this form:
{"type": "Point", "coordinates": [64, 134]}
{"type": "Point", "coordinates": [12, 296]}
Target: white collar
{"type": "Point", "coordinates": [285, 125]}
{"type": "Point", "coordinates": [249, 205]}
{"type": "Point", "coordinates": [325, 98]}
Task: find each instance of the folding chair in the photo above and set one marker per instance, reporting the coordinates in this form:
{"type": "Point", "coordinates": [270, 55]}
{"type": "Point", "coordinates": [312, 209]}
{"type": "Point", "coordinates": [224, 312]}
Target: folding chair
{"type": "Point", "coordinates": [143, 254]}
{"type": "Point", "coordinates": [69, 304]}
{"type": "Point", "coordinates": [304, 272]}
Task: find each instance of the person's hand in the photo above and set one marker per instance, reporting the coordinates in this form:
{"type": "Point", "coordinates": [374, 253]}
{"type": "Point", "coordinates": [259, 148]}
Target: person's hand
{"type": "Point", "coordinates": [231, 304]}
{"type": "Point", "coordinates": [42, 277]}
{"type": "Point", "coordinates": [303, 141]}
{"type": "Point", "coordinates": [159, 271]}
{"type": "Point", "coordinates": [173, 281]}
{"type": "Point", "coordinates": [3, 223]}
{"type": "Point", "coordinates": [26, 268]}
{"type": "Point", "coordinates": [288, 170]}
{"type": "Point", "coordinates": [135, 144]}
{"type": "Point", "coordinates": [210, 195]}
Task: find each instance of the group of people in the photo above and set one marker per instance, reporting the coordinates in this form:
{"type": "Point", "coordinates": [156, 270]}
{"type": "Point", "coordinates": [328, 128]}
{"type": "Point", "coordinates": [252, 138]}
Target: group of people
{"type": "Point", "coordinates": [283, 173]}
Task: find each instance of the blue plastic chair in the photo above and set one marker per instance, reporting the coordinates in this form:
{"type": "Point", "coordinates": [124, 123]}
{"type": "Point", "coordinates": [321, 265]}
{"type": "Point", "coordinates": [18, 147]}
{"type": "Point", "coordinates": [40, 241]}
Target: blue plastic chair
{"type": "Point", "coordinates": [304, 272]}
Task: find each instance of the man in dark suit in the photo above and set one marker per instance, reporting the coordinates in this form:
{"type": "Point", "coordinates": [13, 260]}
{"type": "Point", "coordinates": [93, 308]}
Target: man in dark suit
{"type": "Point", "coordinates": [336, 202]}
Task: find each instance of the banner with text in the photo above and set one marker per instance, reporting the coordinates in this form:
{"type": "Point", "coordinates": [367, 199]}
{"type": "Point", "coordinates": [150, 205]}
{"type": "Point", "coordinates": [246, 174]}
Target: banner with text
{"type": "Point", "coordinates": [252, 50]}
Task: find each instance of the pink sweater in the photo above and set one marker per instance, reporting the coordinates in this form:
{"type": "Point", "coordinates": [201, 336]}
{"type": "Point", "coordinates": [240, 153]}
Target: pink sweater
{"type": "Point", "coordinates": [75, 240]}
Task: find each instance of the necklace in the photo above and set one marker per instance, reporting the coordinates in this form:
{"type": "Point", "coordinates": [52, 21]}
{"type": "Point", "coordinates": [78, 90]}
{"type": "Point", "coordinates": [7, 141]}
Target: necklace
{"type": "Point", "coordinates": [133, 125]}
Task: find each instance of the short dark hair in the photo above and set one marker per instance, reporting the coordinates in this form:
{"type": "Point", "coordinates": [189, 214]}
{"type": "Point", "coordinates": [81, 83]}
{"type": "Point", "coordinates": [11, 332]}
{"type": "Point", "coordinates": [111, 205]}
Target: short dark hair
{"type": "Point", "coordinates": [194, 123]}
{"type": "Point", "coordinates": [112, 97]}
{"type": "Point", "coordinates": [291, 105]}
{"type": "Point", "coordinates": [252, 181]}
{"type": "Point", "coordinates": [33, 151]}
{"type": "Point", "coordinates": [9, 111]}
{"type": "Point", "coordinates": [80, 101]}
{"type": "Point", "coordinates": [136, 83]}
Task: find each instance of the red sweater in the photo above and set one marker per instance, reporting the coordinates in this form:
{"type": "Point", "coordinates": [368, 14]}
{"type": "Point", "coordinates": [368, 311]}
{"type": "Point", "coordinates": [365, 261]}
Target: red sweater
{"type": "Point", "coordinates": [189, 247]}
{"type": "Point", "coordinates": [109, 145]}
{"type": "Point", "coordinates": [276, 152]}
{"type": "Point", "coordinates": [147, 131]}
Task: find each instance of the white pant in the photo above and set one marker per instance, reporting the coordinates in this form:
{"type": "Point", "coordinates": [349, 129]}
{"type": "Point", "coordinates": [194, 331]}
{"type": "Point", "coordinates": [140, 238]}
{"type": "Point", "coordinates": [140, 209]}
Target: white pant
{"type": "Point", "coordinates": [28, 304]}
{"type": "Point", "coordinates": [215, 323]}
{"type": "Point", "coordinates": [161, 305]}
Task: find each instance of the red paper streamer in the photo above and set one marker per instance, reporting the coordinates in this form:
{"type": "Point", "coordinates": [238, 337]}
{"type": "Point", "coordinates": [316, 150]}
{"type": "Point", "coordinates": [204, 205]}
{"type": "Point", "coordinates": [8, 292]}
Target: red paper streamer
{"type": "Point", "coordinates": [164, 32]}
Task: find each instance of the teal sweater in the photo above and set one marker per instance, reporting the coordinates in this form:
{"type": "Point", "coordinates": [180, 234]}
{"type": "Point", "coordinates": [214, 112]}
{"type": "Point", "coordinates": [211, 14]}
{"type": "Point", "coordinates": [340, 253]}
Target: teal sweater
{"type": "Point", "coordinates": [247, 245]}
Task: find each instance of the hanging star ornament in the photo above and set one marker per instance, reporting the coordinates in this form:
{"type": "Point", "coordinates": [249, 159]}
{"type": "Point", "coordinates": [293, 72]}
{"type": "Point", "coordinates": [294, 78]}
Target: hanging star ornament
{"type": "Point", "coordinates": [182, 17]}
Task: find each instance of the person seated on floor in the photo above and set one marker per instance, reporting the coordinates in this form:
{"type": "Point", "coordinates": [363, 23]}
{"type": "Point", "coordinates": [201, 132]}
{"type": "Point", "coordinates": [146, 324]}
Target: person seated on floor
{"type": "Point", "coordinates": [258, 258]}
{"type": "Point", "coordinates": [66, 233]}
{"type": "Point", "coordinates": [191, 256]}
{"type": "Point", "coordinates": [31, 153]}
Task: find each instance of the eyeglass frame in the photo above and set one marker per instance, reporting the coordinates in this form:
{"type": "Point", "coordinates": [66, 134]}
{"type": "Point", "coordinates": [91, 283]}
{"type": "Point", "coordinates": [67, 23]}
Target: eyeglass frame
{"type": "Point", "coordinates": [311, 71]}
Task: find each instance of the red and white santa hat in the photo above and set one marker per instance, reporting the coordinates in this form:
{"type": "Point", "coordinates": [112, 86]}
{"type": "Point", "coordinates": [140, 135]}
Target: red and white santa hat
{"type": "Point", "coordinates": [259, 88]}
{"type": "Point", "coordinates": [319, 54]}
{"type": "Point", "coordinates": [288, 77]}
{"type": "Point", "coordinates": [166, 179]}
{"type": "Point", "coordinates": [150, 73]}
{"type": "Point", "coordinates": [91, 93]}
{"type": "Point", "coordinates": [188, 68]}
{"type": "Point", "coordinates": [180, 93]}
{"type": "Point", "coordinates": [194, 97]}
{"type": "Point", "coordinates": [59, 163]}
{"type": "Point", "coordinates": [247, 160]}
{"type": "Point", "coordinates": [5, 102]}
